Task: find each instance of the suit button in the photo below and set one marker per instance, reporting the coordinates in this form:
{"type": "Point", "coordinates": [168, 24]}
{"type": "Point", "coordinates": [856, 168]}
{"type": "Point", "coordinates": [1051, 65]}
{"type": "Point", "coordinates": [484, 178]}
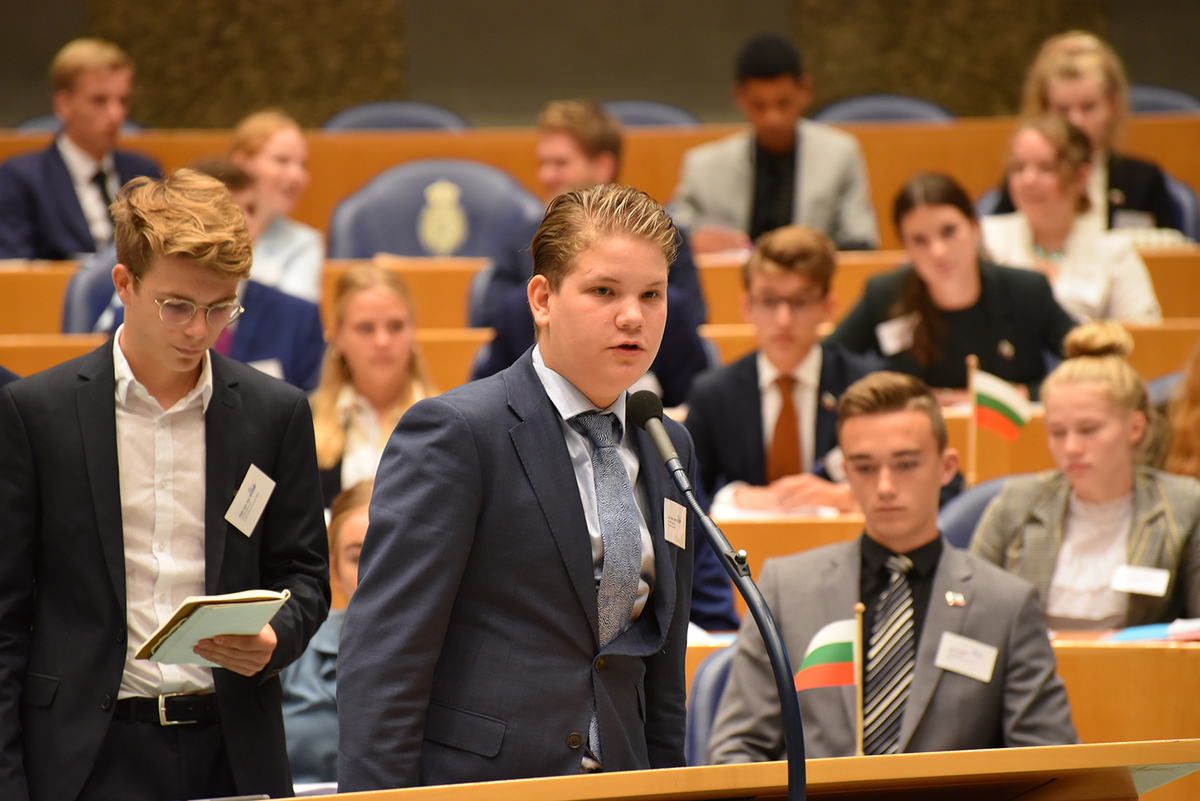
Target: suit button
{"type": "Point", "coordinates": [574, 739]}
{"type": "Point", "coordinates": [599, 663]}
{"type": "Point", "coordinates": [106, 703]}
{"type": "Point", "coordinates": [121, 635]}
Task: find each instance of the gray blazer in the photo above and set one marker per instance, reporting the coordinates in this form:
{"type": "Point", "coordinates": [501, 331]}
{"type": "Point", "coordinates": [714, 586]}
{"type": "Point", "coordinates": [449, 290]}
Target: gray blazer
{"type": "Point", "coordinates": [716, 185]}
{"type": "Point", "coordinates": [471, 647]}
{"type": "Point", "coordinates": [1024, 703]}
{"type": "Point", "coordinates": [1021, 531]}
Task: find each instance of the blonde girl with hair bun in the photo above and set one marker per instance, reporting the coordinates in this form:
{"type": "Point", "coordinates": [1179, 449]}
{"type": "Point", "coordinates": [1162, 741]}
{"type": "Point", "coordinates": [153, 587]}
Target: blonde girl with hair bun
{"type": "Point", "coordinates": [1107, 541]}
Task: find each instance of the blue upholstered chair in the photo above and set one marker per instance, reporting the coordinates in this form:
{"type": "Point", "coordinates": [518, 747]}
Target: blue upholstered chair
{"type": "Point", "coordinates": [395, 114]}
{"type": "Point", "coordinates": [958, 519]}
{"type": "Point", "coordinates": [1187, 207]}
{"type": "Point", "coordinates": [89, 292]}
{"type": "Point", "coordinates": [708, 683]}
{"type": "Point", "coordinates": [987, 202]}
{"type": "Point", "coordinates": [1159, 99]}
{"type": "Point", "coordinates": [649, 113]}
{"type": "Point", "coordinates": [882, 108]}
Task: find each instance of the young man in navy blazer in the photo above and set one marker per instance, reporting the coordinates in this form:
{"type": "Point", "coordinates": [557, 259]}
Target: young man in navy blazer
{"type": "Point", "coordinates": [734, 411]}
{"type": "Point", "coordinates": [54, 203]}
{"type": "Point", "coordinates": [478, 645]}
{"type": "Point", "coordinates": [119, 489]}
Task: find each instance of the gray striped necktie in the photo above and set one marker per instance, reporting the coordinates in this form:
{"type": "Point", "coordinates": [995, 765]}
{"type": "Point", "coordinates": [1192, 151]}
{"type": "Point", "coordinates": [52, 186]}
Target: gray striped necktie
{"type": "Point", "coordinates": [620, 533]}
{"type": "Point", "coordinates": [891, 656]}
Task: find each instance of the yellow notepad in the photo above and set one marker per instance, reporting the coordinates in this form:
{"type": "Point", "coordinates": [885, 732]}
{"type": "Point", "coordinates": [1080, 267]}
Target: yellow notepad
{"type": "Point", "coordinates": [202, 616]}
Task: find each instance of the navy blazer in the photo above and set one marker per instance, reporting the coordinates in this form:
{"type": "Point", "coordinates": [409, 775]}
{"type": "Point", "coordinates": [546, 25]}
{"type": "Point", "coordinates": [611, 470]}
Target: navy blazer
{"type": "Point", "coordinates": [62, 578]}
{"type": "Point", "coordinates": [471, 646]}
{"type": "Point", "coordinates": [725, 415]}
{"type": "Point", "coordinates": [40, 215]}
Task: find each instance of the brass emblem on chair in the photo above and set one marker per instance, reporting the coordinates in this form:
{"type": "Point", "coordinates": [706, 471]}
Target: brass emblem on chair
{"type": "Point", "coordinates": [442, 226]}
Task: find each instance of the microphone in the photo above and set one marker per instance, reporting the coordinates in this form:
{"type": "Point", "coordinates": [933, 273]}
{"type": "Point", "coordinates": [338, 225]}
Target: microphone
{"type": "Point", "coordinates": [645, 410]}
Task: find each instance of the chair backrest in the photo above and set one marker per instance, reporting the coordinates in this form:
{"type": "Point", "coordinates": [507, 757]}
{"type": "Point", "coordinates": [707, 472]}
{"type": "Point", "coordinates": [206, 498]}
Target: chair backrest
{"type": "Point", "coordinates": [395, 114]}
{"type": "Point", "coordinates": [649, 113]}
{"type": "Point", "coordinates": [1160, 99]}
{"type": "Point", "coordinates": [882, 107]}
{"type": "Point", "coordinates": [49, 122]}
{"type": "Point", "coordinates": [708, 683]}
{"type": "Point", "coordinates": [435, 207]}
{"type": "Point", "coordinates": [958, 519]}
{"type": "Point", "coordinates": [1161, 390]}
{"type": "Point", "coordinates": [1187, 207]}
{"type": "Point", "coordinates": [89, 292]}
{"type": "Point", "coordinates": [987, 202]}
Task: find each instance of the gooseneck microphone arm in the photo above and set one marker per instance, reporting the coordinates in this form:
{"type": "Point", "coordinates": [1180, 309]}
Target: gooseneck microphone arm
{"type": "Point", "coordinates": [645, 410]}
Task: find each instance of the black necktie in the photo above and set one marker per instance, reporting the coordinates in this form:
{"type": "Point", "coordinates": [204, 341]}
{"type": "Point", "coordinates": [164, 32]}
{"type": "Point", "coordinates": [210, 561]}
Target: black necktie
{"type": "Point", "coordinates": [100, 179]}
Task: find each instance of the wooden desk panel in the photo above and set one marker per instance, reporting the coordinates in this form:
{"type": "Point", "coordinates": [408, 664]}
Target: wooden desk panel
{"type": "Point", "coordinates": [440, 287]}
{"type": "Point", "coordinates": [1161, 348]}
{"type": "Point", "coordinates": [26, 354]}
{"type": "Point", "coordinates": [1175, 274]}
{"type": "Point", "coordinates": [31, 296]}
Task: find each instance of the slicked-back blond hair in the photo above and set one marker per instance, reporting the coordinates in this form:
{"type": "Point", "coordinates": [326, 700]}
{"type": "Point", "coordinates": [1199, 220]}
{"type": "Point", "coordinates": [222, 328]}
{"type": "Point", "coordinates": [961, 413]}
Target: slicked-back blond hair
{"type": "Point", "coordinates": [576, 220]}
{"type": "Point", "coordinates": [1069, 56]}
{"type": "Point", "coordinates": [252, 133]}
{"type": "Point", "coordinates": [883, 391]}
{"type": "Point", "coordinates": [795, 249]}
{"type": "Point", "coordinates": [1071, 148]}
{"type": "Point", "coordinates": [335, 371]}
{"type": "Point", "coordinates": [79, 56]}
{"type": "Point", "coordinates": [588, 125]}
{"type": "Point", "coordinates": [187, 215]}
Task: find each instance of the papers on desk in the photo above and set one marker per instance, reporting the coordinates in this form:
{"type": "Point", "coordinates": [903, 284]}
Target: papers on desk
{"type": "Point", "coordinates": [698, 636]}
{"type": "Point", "coordinates": [1182, 629]}
{"type": "Point", "coordinates": [200, 617]}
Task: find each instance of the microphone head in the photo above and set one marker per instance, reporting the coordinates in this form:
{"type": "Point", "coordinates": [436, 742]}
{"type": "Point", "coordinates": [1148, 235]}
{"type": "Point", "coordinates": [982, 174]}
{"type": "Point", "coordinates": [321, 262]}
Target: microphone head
{"type": "Point", "coordinates": [642, 406]}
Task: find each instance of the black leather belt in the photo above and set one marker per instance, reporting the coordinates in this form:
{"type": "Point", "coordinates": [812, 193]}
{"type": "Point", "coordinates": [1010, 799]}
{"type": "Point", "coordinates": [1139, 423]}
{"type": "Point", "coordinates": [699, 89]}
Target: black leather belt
{"type": "Point", "coordinates": [169, 710]}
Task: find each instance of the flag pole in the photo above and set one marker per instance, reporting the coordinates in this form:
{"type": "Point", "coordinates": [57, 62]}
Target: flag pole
{"type": "Point", "coordinates": [858, 676]}
{"type": "Point", "coordinates": [972, 425]}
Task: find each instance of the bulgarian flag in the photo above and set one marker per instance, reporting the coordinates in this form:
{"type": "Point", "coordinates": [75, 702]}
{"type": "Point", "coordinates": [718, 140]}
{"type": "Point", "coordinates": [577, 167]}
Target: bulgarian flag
{"type": "Point", "coordinates": [829, 661]}
{"type": "Point", "coordinates": [999, 407]}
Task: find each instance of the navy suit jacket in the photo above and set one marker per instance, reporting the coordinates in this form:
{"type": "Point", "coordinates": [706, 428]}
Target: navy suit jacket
{"type": "Point", "coordinates": [40, 215]}
{"type": "Point", "coordinates": [471, 646]}
{"type": "Point", "coordinates": [62, 578]}
{"type": "Point", "coordinates": [725, 416]}
{"type": "Point", "coordinates": [276, 326]}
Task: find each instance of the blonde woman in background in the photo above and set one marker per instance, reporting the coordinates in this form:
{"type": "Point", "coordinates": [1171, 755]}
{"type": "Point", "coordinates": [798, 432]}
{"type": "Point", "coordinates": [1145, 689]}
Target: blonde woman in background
{"type": "Point", "coordinates": [1108, 542]}
{"type": "Point", "coordinates": [371, 374]}
{"type": "Point", "coordinates": [1077, 76]}
{"type": "Point", "coordinates": [288, 255]}
{"type": "Point", "coordinates": [1096, 274]}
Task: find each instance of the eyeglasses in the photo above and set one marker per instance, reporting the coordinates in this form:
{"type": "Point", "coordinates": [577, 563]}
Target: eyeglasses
{"type": "Point", "coordinates": [795, 305]}
{"type": "Point", "coordinates": [176, 311]}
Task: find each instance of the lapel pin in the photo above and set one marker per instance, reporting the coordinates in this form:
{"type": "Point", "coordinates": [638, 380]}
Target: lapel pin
{"type": "Point", "coordinates": [1116, 197]}
{"type": "Point", "coordinates": [1006, 349]}
{"type": "Point", "coordinates": [955, 599]}
{"type": "Point", "coordinates": [828, 401]}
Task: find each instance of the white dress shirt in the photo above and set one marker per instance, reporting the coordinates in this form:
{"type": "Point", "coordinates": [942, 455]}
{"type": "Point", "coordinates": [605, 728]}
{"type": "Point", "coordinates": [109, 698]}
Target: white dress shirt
{"type": "Point", "coordinates": [82, 169]}
{"type": "Point", "coordinates": [1094, 541]}
{"type": "Point", "coordinates": [364, 437]}
{"type": "Point", "coordinates": [161, 462]}
{"type": "Point", "coordinates": [570, 402]}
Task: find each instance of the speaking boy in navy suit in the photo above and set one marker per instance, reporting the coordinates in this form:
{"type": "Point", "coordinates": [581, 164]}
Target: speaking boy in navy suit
{"type": "Point", "coordinates": [120, 477]}
{"type": "Point", "coordinates": [54, 203]}
{"type": "Point", "coordinates": [760, 449]}
{"type": "Point", "coordinates": [523, 588]}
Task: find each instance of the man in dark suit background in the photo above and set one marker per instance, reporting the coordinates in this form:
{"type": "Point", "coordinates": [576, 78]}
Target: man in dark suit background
{"type": "Point", "coordinates": [54, 203]}
{"type": "Point", "coordinates": [757, 448]}
{"type": "Point", "coordinates": [121, 476]}
{"type": "Point", "coordinates": [523, 587]}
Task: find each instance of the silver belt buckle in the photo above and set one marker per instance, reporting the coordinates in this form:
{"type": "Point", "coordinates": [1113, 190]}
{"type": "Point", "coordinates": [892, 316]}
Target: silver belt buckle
{"type": "Point", "coordinates": [162, 711]}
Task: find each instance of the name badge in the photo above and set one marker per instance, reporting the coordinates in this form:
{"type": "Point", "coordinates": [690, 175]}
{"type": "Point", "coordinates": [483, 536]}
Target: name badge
{"type": "Point", "coordinates": [675, 523]}
{"type": "Point", "coordinates": [1141, 580]}
{"type": "Point", "coordinates": [967, 657]}
{"type": "Point", "coordinates": [250, 500]}
{"type": "Point", "coordinates": [896, 335]}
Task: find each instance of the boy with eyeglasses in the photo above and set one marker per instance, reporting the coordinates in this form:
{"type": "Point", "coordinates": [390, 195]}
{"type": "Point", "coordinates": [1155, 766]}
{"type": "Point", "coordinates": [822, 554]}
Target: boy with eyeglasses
{"type": "Point", "coordinates": [123, 489]}
{"type": "Point", "coordinates": [765, 427]}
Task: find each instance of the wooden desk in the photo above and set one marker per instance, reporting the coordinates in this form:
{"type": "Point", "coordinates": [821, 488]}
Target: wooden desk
{"type": "Point", "coordinates": [440, 287]}
{"type": "Point", "coordinates": [31, 296]}
{"type": "Point", "coordinates": [1161, 348]}
{"type": "Point", "coordinates": [26, 354]}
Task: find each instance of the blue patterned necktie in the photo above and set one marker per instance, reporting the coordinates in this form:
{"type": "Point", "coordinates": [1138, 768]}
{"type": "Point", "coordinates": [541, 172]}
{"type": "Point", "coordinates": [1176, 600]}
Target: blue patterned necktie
{"type": "Point", "coordinates": [891, 657]}
{"type": "Point", "coordinates": [620, 533]}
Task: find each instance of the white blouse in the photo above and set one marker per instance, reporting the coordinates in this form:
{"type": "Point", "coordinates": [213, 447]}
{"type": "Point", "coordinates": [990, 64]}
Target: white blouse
{"type": "Point", "coordinates": [1094, 544]}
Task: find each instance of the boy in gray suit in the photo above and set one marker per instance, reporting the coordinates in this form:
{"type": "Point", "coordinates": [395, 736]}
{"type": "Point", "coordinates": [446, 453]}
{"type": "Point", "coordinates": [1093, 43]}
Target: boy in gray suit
{"type": "Point", "coordinates": [943, 631]}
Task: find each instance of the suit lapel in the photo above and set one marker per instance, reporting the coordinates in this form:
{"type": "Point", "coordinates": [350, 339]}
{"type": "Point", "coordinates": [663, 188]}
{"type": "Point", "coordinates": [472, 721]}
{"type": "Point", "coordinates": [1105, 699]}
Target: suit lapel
{"type": "Point", "coordinates": [825, 435]}
{"type": "Point", "coordinates": [539, 443]}
{"type": "Point", "coordinates": [62, 190]}
{"type": "Point", "coordinates": [97, 408]}
{"type": "Point", "coordinates": [953, 576]}
{"type": "Point", "coordinates": [222, 444]}
{"type": "Point", "coordinates": [741, 182]}
{"type": "Point", "coordinates": [1151, 536]}
{"type": "Point", "coordinates": [745, 419]}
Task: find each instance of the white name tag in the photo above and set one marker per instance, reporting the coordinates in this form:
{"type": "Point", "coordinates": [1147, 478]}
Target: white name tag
{"type": "Point", "coordinates": [250, 500]}
{"type": "Point", "coordinates": [272, 367]}
{"type": "Point", "coordinates": [1141, 580]}
{"type": "Point", "coordinates": [675, 523]}
{"type": "Point", "coordinates": [896, 335]}
{"type": "Point", "coordinates": [970, 658]}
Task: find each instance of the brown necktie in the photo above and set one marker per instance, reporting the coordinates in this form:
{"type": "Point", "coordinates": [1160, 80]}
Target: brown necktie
{"type": "Point", "coordinates": [784, 457]}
